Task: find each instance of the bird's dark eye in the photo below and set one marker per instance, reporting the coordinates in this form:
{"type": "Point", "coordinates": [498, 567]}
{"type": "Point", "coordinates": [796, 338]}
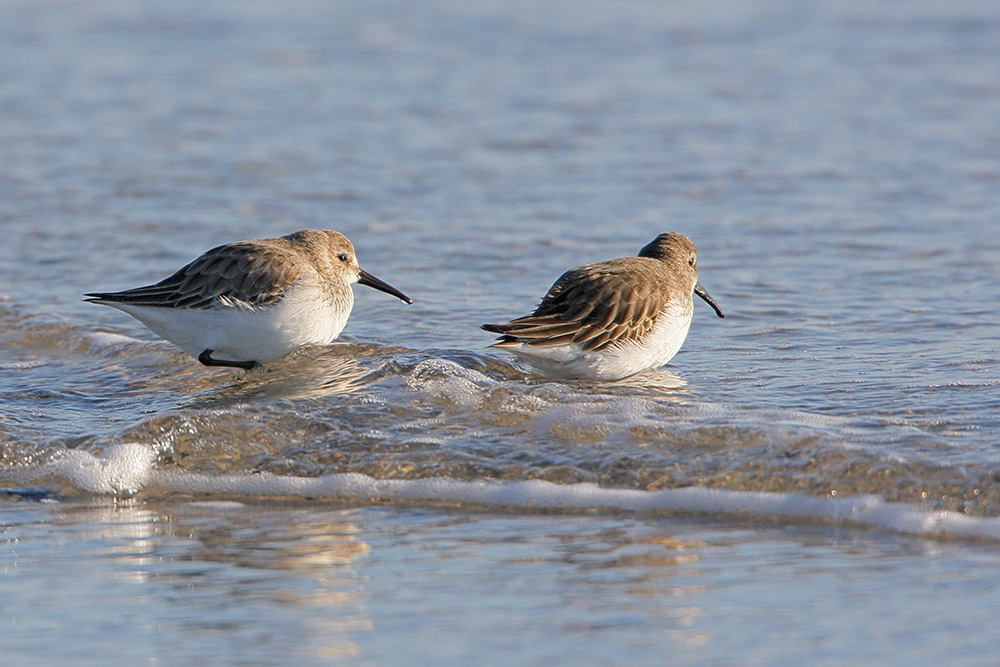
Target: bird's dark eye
{"type": "Point", "coordinates": [692, 261]}
{"type": "Point", "coordinates": [342, 257]}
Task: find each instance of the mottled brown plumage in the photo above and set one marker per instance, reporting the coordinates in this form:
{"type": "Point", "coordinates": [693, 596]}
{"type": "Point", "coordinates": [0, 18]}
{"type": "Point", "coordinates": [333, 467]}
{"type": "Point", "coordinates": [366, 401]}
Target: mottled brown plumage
{"type": "Point", "coordinates": [594, 306]}
{"type": "Point", "coordinates": [243, 272]}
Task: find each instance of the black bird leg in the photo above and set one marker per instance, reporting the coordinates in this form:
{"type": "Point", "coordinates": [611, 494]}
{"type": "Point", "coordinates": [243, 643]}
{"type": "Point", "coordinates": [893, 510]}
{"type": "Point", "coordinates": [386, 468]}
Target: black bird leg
{"type": "Point", "coordinates": [206, 358]}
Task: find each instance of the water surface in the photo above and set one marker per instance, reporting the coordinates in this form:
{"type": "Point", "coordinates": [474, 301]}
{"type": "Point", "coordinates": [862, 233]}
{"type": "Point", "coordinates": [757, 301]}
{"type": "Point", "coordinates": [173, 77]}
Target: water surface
{"type": "Point", "coordinates": [835, 163]}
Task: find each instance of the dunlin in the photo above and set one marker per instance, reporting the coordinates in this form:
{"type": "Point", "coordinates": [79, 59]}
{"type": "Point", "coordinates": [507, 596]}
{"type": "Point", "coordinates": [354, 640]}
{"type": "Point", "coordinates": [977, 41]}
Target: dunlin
{"type": "Point", "coordinates": [251, 302]}
{"type": "Point", "coordinates": [612, 319]}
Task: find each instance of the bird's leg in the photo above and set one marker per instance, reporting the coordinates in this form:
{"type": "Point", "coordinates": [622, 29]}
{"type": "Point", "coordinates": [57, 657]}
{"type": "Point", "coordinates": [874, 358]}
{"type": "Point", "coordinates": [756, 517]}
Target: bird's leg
{"type": "Point", "coordinates": [206, 358]}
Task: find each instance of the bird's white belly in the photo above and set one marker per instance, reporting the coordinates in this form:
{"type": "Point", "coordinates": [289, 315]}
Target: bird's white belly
{"type": "Point", "coordinates": [237, 333]}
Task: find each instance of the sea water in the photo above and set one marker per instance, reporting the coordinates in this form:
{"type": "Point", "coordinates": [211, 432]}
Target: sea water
{"type": "Point", "coordinates": [406, 494]}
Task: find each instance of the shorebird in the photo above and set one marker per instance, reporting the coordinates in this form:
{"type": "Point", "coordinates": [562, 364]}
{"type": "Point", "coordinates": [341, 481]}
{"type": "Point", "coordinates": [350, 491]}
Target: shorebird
{"type": "Point", "coordinates": [247, 303]}
{"type": "Point", "coordinates": [612, 319]}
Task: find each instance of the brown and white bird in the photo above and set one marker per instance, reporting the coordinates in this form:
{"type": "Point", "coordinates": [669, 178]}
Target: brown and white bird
{"type": "Point", "coordinates": [251, 302]}
{"type": "Point", "coordinates": [612, 319]}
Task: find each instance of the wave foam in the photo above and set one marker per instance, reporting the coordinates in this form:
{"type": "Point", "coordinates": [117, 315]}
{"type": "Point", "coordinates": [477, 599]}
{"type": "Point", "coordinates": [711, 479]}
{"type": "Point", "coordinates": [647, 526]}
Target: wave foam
{"type": "Point", "coordinates": [129, 468]}
{"type": "Point", "coordinates": [121, 470]}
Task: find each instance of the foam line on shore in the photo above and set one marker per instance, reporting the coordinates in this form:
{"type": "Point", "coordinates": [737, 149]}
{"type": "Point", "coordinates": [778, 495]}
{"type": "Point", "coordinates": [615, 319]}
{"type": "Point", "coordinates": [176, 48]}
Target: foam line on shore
{"type": "Point", "coordinates": [127, 469]}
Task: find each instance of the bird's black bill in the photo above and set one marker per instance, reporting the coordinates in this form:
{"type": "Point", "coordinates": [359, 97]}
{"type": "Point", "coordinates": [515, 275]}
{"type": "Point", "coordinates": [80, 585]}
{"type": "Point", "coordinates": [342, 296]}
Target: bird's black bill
{"type": "Point", "coordinates": [700, 291]}
{"type": "Point", "coordinates": [368, 279]}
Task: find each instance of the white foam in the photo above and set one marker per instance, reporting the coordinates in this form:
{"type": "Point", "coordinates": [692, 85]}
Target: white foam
{"type": "Point", "coordinates": [22, 365]}
{"type": "Point", "coordinates": [462, 386]}
{"type": "Point", "coordinates": [857, 510]}
{"type": "Point", "coordinates": [127, 469]}
{"type": "Point", "coordinates": [121, 470]}
{"type": "Point", "coordinates": [218, 504]}
{"type": "Point", "coordinates": [110, 339]}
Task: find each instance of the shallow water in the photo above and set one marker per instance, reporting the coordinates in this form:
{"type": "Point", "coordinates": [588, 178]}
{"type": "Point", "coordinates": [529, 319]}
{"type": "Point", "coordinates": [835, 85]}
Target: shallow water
{"type": "Point", "coordinates": [835, 163]}
{"type": "Point", "coordinates": [228, 583]}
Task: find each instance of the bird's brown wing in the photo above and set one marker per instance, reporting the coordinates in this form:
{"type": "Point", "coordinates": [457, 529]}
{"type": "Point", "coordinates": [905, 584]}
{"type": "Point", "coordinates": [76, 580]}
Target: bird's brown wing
{"type": "Point", "coordinates": [593, 306]}
{"type": "Point", "coordinates": [240, 273]}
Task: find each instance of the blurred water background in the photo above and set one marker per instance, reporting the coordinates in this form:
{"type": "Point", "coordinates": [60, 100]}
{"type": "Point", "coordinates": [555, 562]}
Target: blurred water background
{"type": "Point", "coordinates": [783, 492]}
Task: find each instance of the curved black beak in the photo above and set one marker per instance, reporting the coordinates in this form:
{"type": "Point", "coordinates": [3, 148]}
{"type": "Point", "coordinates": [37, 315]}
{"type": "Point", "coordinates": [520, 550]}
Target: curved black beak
{"type": "Point", "coordinates": [700, 291]}
{"type": "Point", "coordinates": [365, 278]}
